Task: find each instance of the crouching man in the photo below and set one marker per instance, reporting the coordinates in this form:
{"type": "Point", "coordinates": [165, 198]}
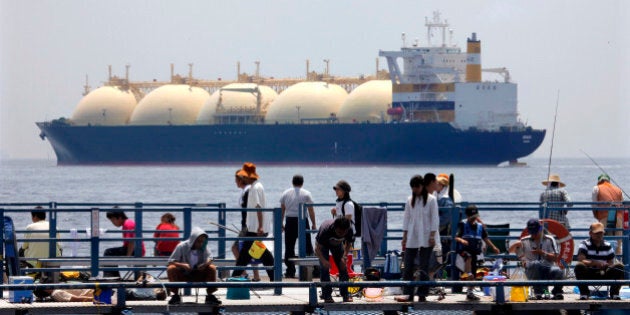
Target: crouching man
{"type": "Point", "coordinates": [191, 261]}
{"type": "Point", "coordinates": [334, 237]}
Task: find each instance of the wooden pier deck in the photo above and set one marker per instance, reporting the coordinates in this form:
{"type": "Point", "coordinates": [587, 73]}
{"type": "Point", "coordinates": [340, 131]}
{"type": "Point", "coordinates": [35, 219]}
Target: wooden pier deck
{"type": "Point", "coordinates": [296, 301]}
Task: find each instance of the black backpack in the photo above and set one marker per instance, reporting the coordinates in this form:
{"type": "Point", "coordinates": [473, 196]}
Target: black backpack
{"type": "Point", "coordinates": [358, 214]}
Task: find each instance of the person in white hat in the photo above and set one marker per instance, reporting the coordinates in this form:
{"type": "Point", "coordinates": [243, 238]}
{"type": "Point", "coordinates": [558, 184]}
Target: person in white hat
{"type": "Point", "coordinates": [555, 194]}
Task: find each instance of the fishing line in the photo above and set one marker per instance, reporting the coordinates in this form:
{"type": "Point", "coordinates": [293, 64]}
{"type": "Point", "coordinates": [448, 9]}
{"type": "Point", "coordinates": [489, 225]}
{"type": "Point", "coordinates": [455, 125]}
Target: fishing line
{"type": "Point", "coordinates": [553, 136]}
{"type": "Point", "coordinates": [604, 171]}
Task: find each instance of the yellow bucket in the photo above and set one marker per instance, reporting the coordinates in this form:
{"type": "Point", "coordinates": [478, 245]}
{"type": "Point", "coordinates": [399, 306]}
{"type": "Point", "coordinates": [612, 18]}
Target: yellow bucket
{"type": "Point", "coordinates": [257, 249]}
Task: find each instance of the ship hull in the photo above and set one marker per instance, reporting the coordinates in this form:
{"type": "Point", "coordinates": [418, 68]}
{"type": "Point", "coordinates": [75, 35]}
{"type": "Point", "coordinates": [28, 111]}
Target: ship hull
{"type": "Point", "coordinates": [404, 143]}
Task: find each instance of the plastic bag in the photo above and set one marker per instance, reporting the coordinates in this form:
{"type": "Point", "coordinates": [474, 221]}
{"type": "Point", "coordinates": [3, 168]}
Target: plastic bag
{"type": "Point", "coordinates": [518, 293]}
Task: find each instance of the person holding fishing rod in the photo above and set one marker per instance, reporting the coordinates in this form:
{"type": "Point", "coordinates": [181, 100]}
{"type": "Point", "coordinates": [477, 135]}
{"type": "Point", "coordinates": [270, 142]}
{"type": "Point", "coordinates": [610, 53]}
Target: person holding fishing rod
{"type": "Point", "coordinates": [555, 192]}
{"type": "Point", "coordinates": [605, 191]}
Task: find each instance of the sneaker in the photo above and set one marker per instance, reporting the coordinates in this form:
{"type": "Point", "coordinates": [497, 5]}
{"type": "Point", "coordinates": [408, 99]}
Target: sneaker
{"type": "Point", "coordinates": [583, 297]}
{"type": "Point", "coordinates": [348, 299]}
{"type": "Point", "coordinates": [615, 297]}
{"type": "Point", "coordinates": [175, 299]}
{"type": "Point", "coordinates": [558, 296]}
{"type": "Point", "coordinates": [211, 299]}
{"type": "Point", "coordinates": [470, 296]}
{"type": "Point", "coordinates": [329, 300]}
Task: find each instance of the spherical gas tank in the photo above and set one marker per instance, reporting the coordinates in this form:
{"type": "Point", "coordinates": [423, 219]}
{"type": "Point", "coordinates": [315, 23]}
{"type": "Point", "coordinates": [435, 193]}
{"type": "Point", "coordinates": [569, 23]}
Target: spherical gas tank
{"type": "Point", "coordinates": [367, 103]}
{"type": "Point", "coordinates": [306, 100]}
{"type": "Point", "coordinates": [107, 106]}
{"type": "Point", "coordinates": [173, 104]}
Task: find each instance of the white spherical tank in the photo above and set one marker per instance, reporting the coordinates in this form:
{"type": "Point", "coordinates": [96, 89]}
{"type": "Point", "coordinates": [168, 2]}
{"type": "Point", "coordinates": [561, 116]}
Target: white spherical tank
{"type": "Point", "coordinates": [368, 102]}
{"type": "Point", "coordinates": [236, 98]}
{"type": "Point", "coordinates": [173, 104]}
{"type": "Point", "coordinates": [107, 105]}
{"type": "Point", "coordinates": [306, 100]}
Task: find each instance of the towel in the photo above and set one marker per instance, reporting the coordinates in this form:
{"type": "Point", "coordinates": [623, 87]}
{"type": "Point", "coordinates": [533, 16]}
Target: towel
{"type": "Point", "coordinates": [373, 226]}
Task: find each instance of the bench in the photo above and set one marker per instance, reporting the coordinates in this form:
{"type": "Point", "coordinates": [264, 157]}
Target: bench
{"type": "Point", "coordinates": [132, 263]}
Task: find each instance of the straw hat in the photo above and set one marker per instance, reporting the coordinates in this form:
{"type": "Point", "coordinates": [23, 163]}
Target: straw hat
{"type": "Point", "coordinates": [553, 178]}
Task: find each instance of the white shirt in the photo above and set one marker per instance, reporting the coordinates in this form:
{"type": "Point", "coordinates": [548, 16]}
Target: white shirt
{"type": "Point", "coordinates": [38, 249]}
{"type": "Point", "coordinates": [256, 199]}
{"type": "Point", "coordinates": [292, 198]}
{"type": "Point", "coordinates": [419, 221]}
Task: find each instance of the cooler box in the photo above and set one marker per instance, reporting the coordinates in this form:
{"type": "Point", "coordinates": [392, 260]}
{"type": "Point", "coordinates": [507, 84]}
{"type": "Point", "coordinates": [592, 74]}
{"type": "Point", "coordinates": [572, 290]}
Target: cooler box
{"type": "Point", "coordinates": [234, 293]}
{"type": "Point", "coordinates": [102, 296]}
{"type": "Point", "coordinates": [492, 290]}
{"type": "Point", "coordinates": [20, 296]}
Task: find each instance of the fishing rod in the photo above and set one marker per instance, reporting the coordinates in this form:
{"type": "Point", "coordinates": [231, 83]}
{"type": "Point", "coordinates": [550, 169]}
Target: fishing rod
{"type": "Point", "coordinates": [224, 227]}
{"type": "Point", "coordinates": [553, 136]}
{"type": "Point", "coordinates": [604, 171]}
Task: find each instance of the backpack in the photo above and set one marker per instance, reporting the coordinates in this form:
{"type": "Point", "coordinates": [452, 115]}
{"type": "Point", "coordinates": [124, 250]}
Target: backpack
{"type": "Point", "coordinates": [358, 214]}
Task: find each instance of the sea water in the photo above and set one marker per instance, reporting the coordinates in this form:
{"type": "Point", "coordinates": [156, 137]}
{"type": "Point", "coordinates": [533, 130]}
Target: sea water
{"type": "Point", "coordinates": [44, 181]}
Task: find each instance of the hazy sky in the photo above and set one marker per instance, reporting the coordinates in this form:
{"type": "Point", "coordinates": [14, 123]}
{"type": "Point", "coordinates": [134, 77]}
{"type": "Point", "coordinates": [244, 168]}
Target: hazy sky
{"type": "Point", "coordinates": [579, 48]}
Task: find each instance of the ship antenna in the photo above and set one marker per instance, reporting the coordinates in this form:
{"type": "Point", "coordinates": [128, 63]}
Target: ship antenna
{"type": "Point", "coordinates": [553, 134]}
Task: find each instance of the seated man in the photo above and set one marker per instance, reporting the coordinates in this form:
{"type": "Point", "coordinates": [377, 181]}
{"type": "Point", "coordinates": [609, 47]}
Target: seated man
{"type": "Point", "coordinates": [596, 260]}
{"type": "Point", "coordinates": [334, 237]}
{"type": "Point", "coordinates": [191, 261]}
{"type": "Point", "coordinates": [470, 234]}
{"type": "Point", "coordinates": [538, 252]}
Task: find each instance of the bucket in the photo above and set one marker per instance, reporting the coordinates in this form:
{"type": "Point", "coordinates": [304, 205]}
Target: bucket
{"type": "Point", "coordinates": [234, 293]}
{"type": "Point", "coordinates": [257, 249]}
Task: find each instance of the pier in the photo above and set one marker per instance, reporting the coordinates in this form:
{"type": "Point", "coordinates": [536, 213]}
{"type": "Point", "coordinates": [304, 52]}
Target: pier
{"type": "Point", "coordinates": [284, 295]}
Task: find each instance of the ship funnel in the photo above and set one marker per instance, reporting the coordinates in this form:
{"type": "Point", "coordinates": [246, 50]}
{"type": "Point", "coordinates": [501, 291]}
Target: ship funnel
{"type": "Point", "coordinates": [473, 66]}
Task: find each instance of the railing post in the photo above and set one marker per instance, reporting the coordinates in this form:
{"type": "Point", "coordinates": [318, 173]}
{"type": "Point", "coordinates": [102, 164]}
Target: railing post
{"type": "Point", "coordinates": [626, 245]}
{"type": "Point", "coordinates": [138, 232]}
{"type": "Point", "coordinates": [187, 222]}
{"type": "Point", "coordinates": [2, 246]}
{"type": "Point", "coordinates": [52, 230]}
{"type": "Point", "coordinates": [277, 249]}
{"type": "Point", "coordinates": [455, 214]}
{"type": "Point", "coordinates": [221, 232]}
{"type": "Point", "coordinates": [94, 241]}
{"type": "Point", "coordinates": [301, 231]}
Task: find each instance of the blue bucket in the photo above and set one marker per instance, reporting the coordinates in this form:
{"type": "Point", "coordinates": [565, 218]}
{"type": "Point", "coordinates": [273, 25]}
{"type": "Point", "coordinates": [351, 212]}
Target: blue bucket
{"type": "Point", "coordinates": [234, 293]}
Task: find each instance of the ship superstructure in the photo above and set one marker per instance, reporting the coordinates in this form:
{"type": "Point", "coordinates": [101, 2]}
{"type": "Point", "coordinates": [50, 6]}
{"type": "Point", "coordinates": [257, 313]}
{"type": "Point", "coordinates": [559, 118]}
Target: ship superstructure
{"type": "Point", "coordinates": [441, 83]}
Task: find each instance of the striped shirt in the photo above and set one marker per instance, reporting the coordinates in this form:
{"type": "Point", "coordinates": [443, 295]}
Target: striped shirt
{"type": "Point", "coordinates": [594, 252]}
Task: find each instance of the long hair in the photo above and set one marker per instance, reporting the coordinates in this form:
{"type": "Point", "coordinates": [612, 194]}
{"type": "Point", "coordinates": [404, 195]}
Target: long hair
{"type": "Point", "coordinates": [429, 178]}
{"type": "Point", "coordinates": [415, 181]}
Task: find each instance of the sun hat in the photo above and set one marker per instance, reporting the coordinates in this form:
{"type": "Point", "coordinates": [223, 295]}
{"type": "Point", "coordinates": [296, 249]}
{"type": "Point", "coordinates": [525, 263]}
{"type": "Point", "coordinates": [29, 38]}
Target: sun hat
{"type": "Point", "coordinates": [343, 185]}
{"type": "Point", "coordinates": [443, 179]}
{"type": "Point", "coordinates": [603, 177]}
{"type": "Point", "coordinates": [248, 170]}
{"type": "Point", "coordinates": [553, 178]}
{"type": "Point", "coordinates": [597, 227]}
{"type": "Point", "coordinates": [533, 226]}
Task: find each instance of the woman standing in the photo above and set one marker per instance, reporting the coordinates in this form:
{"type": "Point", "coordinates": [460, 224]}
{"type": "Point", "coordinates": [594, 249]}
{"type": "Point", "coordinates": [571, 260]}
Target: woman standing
{"type": "Point", "coordinates": [168, 229]}
{"type": "Point", "coordinates": [420, 233]}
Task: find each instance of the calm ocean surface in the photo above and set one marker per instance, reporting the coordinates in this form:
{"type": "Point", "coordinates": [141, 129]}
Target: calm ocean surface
{"type": "Point", "coordinates": [44, 181]}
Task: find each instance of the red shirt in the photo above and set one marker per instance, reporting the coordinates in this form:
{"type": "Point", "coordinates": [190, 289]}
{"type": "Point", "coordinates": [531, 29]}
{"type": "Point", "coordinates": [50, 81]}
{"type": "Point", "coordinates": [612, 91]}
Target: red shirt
{"type": "Point", "coordinates": [166, 246]}
{"type": "Point", "coordinates": [130, 225]}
